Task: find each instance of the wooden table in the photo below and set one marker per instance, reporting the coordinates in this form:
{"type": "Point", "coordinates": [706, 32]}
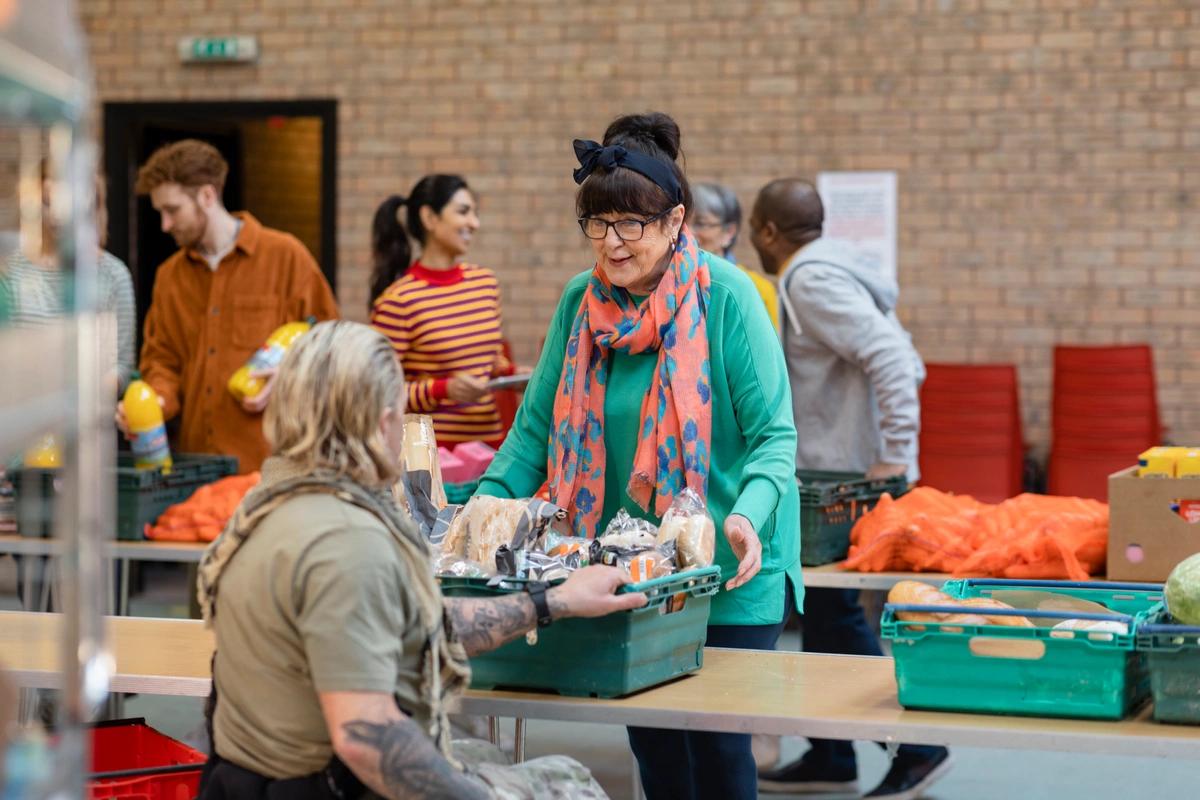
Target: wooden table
{"type": "Point", "coordinates": [825, 576]}
{"type": "Point", "coordinates": [793, 694]}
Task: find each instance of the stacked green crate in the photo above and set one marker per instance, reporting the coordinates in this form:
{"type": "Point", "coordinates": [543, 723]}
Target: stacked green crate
{"type": "Point", "coordinates": [830, 504]}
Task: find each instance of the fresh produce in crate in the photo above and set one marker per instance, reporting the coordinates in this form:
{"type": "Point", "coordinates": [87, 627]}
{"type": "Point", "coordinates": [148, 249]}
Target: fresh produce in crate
{"type": "Point", "coordinates": [1182, 591]}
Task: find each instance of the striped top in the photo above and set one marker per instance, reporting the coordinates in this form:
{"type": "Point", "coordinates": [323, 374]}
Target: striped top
{"type": "Point", "coordinates": [441, 322]}
{"type": "Point", "coordinates": [38, 295]}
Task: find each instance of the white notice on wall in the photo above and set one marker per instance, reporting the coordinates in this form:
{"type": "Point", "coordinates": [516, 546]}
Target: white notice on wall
{"type": "Point", "coordinates": [860, 210]}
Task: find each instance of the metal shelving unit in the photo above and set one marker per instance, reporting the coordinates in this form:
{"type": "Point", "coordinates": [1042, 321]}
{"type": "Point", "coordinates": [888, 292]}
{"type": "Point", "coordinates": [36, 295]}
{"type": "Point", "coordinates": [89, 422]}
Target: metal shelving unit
{"type": "Point", "coordinates": [50, 375]}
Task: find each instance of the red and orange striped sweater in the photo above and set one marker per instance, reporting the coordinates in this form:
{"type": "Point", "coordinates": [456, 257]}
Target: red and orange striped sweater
{"type": "Point", "coordinates": [441, 322]}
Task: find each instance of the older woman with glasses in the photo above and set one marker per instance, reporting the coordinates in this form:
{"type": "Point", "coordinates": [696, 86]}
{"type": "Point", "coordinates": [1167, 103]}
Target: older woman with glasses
{"type": "Point", "coordinates": [661, 372]}
{"type": "Point", "coordinates": [717, 220]}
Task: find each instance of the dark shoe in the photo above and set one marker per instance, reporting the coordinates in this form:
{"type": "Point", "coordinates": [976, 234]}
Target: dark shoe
{"type": "Point", "coordinates": [909, 778]}
{"type": "Point", "coordinates": [804, 776]}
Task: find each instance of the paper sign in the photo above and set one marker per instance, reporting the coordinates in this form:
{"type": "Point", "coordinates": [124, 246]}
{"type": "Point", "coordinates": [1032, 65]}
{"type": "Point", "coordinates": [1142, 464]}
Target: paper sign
{"type": "Point", "coordinates": [860, 210]}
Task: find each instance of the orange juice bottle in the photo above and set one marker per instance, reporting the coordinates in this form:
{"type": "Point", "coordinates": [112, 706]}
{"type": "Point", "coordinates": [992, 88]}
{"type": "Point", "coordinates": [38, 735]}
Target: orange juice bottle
{"type": "Point", "coordinates": [241, 385]}
{"type": "Point", "coordinates": [145, 418]}
{"type": "Point", "coordinates": [45, 454]}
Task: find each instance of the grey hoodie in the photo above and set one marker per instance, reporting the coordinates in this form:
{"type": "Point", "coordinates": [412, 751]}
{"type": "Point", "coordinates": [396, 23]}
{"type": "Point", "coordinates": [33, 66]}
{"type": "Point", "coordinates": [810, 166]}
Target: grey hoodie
{"type": "Point", "coordinates": [853, 368]}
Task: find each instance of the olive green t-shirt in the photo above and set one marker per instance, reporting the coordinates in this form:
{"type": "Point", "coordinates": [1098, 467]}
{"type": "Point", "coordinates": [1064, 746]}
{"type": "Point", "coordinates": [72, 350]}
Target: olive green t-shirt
{"type": "Point", "coordinates": [316, 600]}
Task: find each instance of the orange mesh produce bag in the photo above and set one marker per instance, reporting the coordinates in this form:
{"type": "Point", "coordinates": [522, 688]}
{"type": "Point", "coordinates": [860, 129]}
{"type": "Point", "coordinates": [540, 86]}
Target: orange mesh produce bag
{"type": "Point", "coordinates": [1028, 536]}
{"type": "Point", "coordinates": [202, 516]}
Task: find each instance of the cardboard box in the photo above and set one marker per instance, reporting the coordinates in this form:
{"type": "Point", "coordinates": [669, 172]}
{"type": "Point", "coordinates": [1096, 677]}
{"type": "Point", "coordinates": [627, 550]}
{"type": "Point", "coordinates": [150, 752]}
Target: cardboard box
{"type": "Point", "coordinates": [1146, 535]}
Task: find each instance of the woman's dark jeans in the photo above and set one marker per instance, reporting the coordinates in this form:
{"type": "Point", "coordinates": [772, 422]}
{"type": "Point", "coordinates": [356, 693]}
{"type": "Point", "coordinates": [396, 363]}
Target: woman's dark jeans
{"type": "Point", "coordinates": [697, 765]}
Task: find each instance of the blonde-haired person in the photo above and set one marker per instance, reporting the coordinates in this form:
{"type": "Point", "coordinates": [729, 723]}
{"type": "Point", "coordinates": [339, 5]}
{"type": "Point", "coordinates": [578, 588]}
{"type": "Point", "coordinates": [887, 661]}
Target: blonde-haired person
{"type": "Point", "coordinates": [716, 219]}
{"type": "Point", "coordinates": [39, 290]}
{"type": "Point", "coordinates": [336, 655]}
{"type": "Point", "coordinates": [216, 300]}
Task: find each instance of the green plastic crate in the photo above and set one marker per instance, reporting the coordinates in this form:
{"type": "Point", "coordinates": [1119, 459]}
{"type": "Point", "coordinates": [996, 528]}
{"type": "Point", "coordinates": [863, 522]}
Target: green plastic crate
{"type": "Point", "coordinates": [996, 669]}
{"type": "Point", "coordinates": [1173, 656]}
{"type": "Point", "coordinates": [144, 494]}
{"type": "Point", "coordinates": [830, 504]}
{"type": "Point", "coordinates": [608, 656]}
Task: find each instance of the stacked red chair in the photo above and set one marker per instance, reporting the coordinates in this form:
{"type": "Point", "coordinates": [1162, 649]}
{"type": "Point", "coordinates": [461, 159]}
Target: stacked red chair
{"type": "Point", "coordinates": [1105, 413]}
{"type": "Point", "coordinates": [971, 440]}
{"type": "Point", "coordinates": [507, 400]}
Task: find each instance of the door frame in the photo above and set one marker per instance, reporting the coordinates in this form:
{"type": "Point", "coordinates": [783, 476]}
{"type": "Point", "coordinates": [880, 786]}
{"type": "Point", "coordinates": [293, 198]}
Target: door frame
{"type": "Point", "coordinates": [122, 121]}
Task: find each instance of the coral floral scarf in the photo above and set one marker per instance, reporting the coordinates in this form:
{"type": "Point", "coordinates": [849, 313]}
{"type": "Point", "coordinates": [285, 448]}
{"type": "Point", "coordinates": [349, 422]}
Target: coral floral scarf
{"type": "Point", "coordinates": [676, 418]}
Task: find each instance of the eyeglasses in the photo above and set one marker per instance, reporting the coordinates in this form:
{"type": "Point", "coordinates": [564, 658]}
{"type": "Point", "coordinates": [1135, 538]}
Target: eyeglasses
{"type": "Point", "coordinates": [628, 230]}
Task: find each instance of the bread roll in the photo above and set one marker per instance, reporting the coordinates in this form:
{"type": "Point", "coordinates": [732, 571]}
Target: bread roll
{"type": "Point", "coordinates": [998, 619]}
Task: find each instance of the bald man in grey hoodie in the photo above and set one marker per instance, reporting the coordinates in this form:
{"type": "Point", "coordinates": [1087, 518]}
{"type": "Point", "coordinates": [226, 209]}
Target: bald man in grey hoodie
{"type": "Point", "coordinates": [855, 377]}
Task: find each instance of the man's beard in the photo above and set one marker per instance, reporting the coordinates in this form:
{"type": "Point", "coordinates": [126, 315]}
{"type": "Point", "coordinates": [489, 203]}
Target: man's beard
{"type": "Point", "coordinates": [185, 239]}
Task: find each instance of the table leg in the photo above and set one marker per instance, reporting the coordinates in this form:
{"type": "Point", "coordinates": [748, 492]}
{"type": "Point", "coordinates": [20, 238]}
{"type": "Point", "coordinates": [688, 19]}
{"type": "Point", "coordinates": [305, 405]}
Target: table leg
{"type": "Point", "coordinates": [123, 579]}
{"type": "Point", "coordinates": [519, 741]}
{"type": "Point", "coordinates": [494, 730]}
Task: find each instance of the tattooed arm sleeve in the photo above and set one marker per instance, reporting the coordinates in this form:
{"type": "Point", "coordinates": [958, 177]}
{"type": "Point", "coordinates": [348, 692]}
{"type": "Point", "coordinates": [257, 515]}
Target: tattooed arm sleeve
{"type": "Point", "coordinates": [485, 623]}
{"type": "Point", "coordinates": [389, 752]}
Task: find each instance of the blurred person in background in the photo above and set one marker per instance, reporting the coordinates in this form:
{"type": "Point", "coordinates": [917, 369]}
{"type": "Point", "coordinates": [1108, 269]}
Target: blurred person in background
{"type": "Point", "coordinates": [855, 379]}
{"type": "Point", "coordinates": [441, 313]}
{"type": "Point", "coordinates": [717, 220]}
{"type": "Point", "coordinates": [39, 290]}
{"type": "Point", "coordinates": [232, 282]}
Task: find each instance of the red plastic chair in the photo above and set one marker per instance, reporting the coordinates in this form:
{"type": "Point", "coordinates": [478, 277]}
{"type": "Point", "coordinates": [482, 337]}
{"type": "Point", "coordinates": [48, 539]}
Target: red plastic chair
{"type": "Point", "coordinates": [1105, 412]}
{"type": "Point", "coordinates": [971, 440]}
{"type": "Point", "coordinates": [1104, 358]}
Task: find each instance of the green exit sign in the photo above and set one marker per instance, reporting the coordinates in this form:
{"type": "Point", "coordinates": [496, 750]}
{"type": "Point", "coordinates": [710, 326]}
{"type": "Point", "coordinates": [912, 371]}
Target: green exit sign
{"type": "Point", "coordinates": [217, 49]}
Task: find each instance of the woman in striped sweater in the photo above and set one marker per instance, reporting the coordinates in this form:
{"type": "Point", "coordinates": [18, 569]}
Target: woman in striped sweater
{"type": "Point", "coordinates": [442, 315]}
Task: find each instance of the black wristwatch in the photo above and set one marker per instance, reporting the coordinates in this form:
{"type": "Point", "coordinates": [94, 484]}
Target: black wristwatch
{"type": "Point", "coordinates": [537, 593]}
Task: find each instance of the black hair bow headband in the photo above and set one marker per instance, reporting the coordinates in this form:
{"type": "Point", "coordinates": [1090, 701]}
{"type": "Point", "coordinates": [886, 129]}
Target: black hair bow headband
{"type": "Point", "coordinates": [592, 155]}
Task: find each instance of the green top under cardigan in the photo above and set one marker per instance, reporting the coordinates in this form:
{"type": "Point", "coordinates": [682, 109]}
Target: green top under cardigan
{"type": "Point", "coordinates": [753, 449]}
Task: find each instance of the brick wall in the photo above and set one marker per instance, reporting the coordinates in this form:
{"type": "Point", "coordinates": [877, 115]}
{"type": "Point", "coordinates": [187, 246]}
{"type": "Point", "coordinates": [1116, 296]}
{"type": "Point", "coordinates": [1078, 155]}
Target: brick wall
{"type": "Point", "coordinates": [283, 157]}
{"type": "Point", "coordinates": [1042, 146]}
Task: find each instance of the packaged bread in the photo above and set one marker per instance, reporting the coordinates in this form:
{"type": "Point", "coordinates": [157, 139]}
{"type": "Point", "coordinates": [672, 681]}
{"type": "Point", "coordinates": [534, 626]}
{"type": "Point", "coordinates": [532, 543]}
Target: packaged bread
{"type": "Point", "coordinates": [690, 527]}
{"type": "Point", "coordinates": [628, 532]}
{"type": "Point", "coordinates": [917, 593]}
{"type": "Point", "coordinates": [1093, 626]}
{"type": "Point", "coordinates": [486, 523]}
{"type": "Point", "coordinates": [1013, 621]}
{"type": "Point", "coordinates": [421, 458]}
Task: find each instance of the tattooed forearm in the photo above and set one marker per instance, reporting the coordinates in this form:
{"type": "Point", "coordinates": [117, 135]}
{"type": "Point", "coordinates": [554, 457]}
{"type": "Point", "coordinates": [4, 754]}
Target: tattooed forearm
{"type": "Point", "coordinates": [485, 623]}
{"type": "Point", "coordinates": [403, 763]}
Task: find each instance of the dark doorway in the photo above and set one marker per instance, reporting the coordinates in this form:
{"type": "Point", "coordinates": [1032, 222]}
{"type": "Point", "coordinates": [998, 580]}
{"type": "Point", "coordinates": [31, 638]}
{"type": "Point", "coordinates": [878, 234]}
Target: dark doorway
{"type": "Point", "coordinates": [282, 169]}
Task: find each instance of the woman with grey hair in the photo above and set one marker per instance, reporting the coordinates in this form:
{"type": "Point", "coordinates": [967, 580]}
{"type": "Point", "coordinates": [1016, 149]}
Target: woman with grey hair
{"type": "Point", "coordinates": [716, 220]}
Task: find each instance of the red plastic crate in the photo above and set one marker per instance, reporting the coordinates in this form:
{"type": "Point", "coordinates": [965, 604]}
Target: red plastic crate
{"type": "Point", "coordinates": [132, 744]}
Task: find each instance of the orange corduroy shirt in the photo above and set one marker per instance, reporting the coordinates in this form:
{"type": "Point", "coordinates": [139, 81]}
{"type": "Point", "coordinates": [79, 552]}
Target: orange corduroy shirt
{"type": "Point", "coordinates": [204, 324]}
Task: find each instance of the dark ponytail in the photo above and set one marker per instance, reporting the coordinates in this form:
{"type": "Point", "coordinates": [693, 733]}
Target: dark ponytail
{"type": "Point", "coordinates": [391, 249]}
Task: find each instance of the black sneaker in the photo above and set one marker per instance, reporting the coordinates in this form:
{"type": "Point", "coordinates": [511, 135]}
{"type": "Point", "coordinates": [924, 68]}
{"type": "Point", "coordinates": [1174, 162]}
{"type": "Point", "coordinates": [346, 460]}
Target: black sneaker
{"type": "Point", "coordinates": [908, 779]}
{"type": "Point", "coordinates": [803, 776]}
